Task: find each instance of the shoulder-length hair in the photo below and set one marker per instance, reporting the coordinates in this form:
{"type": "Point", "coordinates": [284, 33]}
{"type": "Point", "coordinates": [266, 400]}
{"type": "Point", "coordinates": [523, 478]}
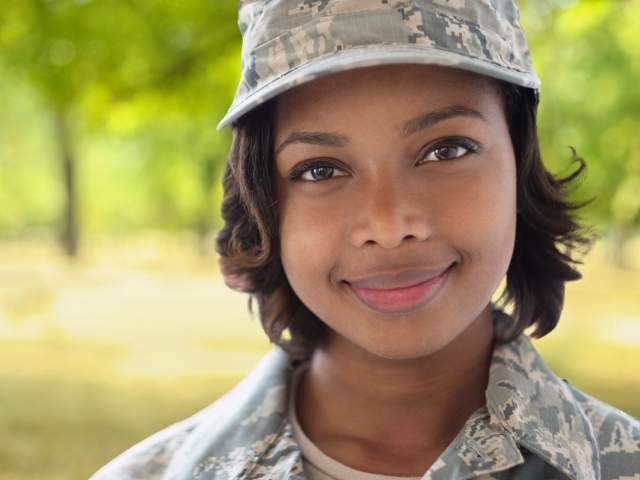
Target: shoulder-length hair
{"type": "Point", "coordinates": [548, 232]}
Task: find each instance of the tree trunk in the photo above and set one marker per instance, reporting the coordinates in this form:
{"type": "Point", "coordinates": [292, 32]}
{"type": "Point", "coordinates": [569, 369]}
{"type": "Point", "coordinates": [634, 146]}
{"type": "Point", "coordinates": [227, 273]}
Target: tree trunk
{"type": "Point", "coordinates": [69, 231]}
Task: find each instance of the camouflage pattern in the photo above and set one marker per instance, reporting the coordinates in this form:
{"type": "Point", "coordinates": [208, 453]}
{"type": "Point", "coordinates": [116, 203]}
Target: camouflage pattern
{"type": "Point", "coordinates": [534, 426]}
{"type": "Point", "coordinates": [288, 42]}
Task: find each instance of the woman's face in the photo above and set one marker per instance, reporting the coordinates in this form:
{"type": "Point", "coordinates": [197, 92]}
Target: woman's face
{"type": "Point", "coordinates": [397, 203]}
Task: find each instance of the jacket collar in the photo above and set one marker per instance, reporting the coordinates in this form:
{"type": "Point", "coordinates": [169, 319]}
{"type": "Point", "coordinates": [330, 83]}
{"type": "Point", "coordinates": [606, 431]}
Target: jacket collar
{"type": "Point", "coordinates": [246, 434]}
{"type": "Point", "coordinates": [539, 411]}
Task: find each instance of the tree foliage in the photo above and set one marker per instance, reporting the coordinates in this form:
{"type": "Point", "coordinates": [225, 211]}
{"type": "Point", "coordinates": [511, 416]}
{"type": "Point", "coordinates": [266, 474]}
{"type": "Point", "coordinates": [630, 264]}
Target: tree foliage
{"type": "Point", "coordinates": [140, 85]}
{"type": "Point", "coordinates": [588, 59]}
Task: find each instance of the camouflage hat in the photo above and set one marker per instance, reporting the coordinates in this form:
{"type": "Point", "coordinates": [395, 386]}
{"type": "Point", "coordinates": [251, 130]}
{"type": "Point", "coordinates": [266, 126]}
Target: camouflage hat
{"type": "Point", "coordinates": [289, 42]}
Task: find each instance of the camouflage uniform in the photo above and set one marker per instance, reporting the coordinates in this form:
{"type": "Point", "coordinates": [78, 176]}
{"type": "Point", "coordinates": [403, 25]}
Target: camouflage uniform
{"type": "Point", "coordinates": [534, 426]}
{"type": "Point", "coordinates": [288, 42]}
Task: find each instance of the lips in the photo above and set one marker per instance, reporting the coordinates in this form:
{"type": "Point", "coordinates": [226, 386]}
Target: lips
{"type": "Point", "coordinates": [400, 292]}
{"type": "Point", "coordinates": [402, 279]}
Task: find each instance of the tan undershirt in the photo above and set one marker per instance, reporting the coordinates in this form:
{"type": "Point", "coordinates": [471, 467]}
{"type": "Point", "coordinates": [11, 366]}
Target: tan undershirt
{"type": "Point", "coordinates": [318, 465]}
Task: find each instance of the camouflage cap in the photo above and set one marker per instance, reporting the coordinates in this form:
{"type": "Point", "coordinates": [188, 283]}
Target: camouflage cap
{"type": "Point", "coordinates": [289, 42]}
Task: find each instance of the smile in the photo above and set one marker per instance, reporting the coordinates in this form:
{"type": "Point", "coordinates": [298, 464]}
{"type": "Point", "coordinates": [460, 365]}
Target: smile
{"type": "Point", "coordinates": [404, 299]}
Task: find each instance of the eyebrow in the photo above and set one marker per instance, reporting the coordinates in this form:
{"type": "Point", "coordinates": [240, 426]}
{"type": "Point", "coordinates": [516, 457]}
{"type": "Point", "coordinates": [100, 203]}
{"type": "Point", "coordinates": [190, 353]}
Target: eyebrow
{"type": "Point", "coordinates": [439, 115]}
{"type": "Point", "coordinates": [314, 138]}
{"type": "Point", "coordinates": [414, 125]}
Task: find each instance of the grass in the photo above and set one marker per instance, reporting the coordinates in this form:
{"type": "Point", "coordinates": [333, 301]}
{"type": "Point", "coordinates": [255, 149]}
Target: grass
{"type": "Point", "coordinates": [62, 428]}
{"type": "Point", "coordinates": [139, 334]}
{"type": "Point", "coordinates": [69, 407]}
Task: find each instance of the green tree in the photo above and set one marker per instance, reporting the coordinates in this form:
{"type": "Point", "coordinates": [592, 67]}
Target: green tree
{"type": "Point", "coordinates": [172, 56]}
{"type": "Point", "coordinates": [587, 56]}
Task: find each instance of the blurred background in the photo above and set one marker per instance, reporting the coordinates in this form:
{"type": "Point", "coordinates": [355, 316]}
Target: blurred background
{"type": "Point", "coordinates": [114, 321]}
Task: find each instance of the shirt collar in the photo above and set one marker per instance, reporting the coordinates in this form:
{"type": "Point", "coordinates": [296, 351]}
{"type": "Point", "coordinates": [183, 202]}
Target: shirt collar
{"type": "Point", "coordinates": [539, 411]}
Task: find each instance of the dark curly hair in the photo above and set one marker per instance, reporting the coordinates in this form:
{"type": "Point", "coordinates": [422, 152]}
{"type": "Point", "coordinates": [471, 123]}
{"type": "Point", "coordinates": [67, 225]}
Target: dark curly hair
{"type": "Point", "coordinates": [548, 232]}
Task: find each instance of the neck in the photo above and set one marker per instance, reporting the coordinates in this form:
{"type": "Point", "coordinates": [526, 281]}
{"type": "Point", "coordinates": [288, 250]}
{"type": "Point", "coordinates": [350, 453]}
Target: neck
{"type": "Point", "coordinates": [377, 404]}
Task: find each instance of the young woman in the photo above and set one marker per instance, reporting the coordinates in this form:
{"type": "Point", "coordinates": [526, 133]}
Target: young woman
{"type": "Point", "coordinates": [385, 177]}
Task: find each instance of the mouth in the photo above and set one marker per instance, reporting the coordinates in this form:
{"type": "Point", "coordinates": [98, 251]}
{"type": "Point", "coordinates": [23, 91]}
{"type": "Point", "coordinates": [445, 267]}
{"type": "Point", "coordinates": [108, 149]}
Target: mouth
{"type": "Point", "coordinates": [404, 299]}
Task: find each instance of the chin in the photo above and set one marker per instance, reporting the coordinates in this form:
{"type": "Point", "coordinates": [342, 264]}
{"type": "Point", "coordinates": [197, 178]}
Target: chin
{"type": "Point", "coordinates": [408, 346]}
{"type": "Point", "coordinates": [402, 353]}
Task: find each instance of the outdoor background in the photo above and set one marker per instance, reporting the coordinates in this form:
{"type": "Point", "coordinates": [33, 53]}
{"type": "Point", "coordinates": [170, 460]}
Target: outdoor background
{"type": "Point", "coordinates": [114, 321]}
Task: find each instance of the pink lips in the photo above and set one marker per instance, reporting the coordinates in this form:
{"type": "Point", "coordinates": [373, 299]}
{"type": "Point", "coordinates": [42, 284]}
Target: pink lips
{"type": "Point", "coordinates": [402, 292]}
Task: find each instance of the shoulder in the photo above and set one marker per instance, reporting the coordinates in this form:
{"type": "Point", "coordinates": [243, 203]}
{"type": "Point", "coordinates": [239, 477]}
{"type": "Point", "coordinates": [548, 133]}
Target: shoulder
{"type": "Point", "coordinates": [243, 417]}
{"type": "Point", "coordinates": [570, 430]}
{"type": "Point", "coordinates": [617, 435]}
{"type": "Point", "coordinates": [149, 458]}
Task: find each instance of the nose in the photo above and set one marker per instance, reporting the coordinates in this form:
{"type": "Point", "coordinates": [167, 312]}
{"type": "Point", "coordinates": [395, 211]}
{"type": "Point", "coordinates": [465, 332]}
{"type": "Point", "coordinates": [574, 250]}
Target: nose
{"type": "Point", "coordinates": [389, 213]}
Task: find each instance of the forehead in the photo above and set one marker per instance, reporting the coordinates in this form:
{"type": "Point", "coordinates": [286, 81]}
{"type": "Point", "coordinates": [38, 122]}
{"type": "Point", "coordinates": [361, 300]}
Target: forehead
{"type": "Point", "coordinates": [388, 90]}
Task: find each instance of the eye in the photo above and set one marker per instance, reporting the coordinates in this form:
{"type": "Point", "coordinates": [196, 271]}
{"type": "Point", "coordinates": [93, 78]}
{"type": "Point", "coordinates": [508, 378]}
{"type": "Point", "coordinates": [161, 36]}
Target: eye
{"type": "Point", "coordinates": [450, 149]}
{"type": "Point", "coordinates": [315, 172]}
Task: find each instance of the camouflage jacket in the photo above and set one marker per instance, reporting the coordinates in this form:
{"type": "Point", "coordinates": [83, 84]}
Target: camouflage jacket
{"type": "Point", "coordinates": [534, 426]}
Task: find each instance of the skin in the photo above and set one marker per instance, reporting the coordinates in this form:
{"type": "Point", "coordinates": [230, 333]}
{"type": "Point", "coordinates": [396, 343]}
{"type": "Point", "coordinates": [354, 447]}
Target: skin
{"type": "Point", "coordinates": [387, 393]}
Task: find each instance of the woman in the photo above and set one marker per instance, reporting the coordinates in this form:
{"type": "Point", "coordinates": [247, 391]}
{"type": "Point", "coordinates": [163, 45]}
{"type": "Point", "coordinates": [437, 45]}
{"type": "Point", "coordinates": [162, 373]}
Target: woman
{"type": "Point", "coordinates": [385, 177]}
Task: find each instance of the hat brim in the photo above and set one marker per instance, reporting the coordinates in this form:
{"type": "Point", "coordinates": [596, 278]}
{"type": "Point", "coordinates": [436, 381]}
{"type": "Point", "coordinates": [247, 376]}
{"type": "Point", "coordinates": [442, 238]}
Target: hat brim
{"type": "Point", "coordinates": [369, 56]}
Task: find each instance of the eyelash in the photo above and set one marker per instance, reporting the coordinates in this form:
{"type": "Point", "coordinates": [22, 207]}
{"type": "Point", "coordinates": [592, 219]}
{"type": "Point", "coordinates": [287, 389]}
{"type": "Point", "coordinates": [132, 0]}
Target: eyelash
{"type": "Point", "coordinates": [471, 147]}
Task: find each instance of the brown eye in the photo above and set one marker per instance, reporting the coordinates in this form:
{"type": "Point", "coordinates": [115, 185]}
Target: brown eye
{"type": "Point", "coordinates": [448, 153]}
{"type": "Point", "coordinates": [316, 172]}
{"type": "Point", "coordinates": [452, 149]}
{"type": "Point", "coordinates": [319, 173]}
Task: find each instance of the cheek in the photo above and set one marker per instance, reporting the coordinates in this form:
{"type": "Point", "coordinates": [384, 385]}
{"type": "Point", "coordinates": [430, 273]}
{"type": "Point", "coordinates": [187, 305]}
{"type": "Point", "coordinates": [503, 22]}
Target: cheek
{"type": "Point", "coordinates": [309, 243]}
{"type": "Point", "coordinates": [485, 211]}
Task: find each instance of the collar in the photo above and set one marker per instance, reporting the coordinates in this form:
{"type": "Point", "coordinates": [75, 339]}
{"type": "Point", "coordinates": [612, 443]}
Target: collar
{"type": "Point", "coordinates": [246, 434]}
{"type": "Point", "coordinates": [539, 411]}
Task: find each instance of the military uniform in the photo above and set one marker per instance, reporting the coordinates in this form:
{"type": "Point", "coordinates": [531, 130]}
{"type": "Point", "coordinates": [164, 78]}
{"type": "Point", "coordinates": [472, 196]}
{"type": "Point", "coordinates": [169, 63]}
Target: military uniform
{"type": "Point", "coordinates": [534, 426]}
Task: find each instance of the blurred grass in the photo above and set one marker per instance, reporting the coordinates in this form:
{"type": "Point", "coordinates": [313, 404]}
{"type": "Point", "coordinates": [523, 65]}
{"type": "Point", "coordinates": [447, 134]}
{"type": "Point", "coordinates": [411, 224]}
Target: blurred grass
{"type": "Point", "coordinates": [58, 427]}
{"type": "Point", "coordinates": [140, 333]}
